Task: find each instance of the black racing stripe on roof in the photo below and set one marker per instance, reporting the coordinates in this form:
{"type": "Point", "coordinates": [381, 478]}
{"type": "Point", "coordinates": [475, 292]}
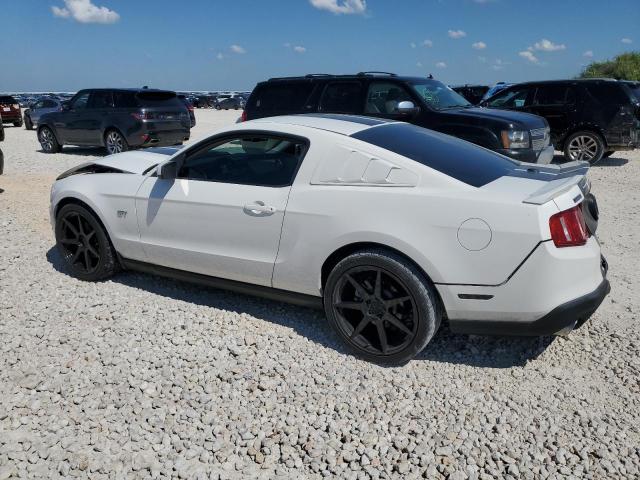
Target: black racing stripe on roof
{"type": "Point", "coordinates": [370, 122]}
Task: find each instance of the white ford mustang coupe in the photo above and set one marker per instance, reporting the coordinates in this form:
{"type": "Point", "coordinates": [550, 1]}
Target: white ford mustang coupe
{"type": "Point", "coordinates": [388, 226]}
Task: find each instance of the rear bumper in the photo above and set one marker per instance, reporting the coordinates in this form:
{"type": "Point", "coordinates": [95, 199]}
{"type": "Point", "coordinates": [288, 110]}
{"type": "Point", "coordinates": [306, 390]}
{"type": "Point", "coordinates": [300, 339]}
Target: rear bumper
{"type": "Point", "coordinates": [554, 289]}
{"type": "Point", "coordinates": [10, 117]}
{"type": "Point", "coordinates": [160, 139]}
{"type": "Point", "coordinates": [564, 318]}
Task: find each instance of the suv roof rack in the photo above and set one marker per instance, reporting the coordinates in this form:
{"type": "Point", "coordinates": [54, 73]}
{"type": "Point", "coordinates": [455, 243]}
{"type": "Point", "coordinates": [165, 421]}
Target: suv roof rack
{"type": "Point", "coordinates": [375, 72]}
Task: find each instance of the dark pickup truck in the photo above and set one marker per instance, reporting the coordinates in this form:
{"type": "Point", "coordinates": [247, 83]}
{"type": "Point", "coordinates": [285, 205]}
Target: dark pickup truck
{"type": "Point", "coordinates": [422, 101]}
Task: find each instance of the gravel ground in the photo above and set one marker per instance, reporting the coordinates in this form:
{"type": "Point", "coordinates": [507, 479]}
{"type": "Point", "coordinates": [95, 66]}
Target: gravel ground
{"type": "Point", "coordinates": [141, 377]}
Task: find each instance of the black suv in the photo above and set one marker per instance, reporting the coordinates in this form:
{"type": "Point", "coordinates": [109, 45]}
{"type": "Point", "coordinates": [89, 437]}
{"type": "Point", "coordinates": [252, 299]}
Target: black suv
{"type": "Point", "coordinates": [589, 119]}
{"type": "Point", "coordinates": [118, 119]}
{"type": "Point", "coordinates": [422, 101]}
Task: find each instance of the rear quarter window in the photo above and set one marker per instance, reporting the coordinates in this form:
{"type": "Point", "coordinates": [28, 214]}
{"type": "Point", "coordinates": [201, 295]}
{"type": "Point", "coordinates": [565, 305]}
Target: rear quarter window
{"type": "Point", "coordinates": [281, 98]}
{"type": "Point", "coordinates": [456, 158]}
{"type": "Point", "coordinates": [608, 93]}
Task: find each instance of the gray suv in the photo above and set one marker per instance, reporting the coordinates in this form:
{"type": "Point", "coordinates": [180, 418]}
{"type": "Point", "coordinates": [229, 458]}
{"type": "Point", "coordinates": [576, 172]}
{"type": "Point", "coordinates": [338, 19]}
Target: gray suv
{"type": "Point", "coordinates": [118, 119]}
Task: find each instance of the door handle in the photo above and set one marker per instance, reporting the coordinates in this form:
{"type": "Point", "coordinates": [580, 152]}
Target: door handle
{"type": "Point", "coordinates": [258, 208]}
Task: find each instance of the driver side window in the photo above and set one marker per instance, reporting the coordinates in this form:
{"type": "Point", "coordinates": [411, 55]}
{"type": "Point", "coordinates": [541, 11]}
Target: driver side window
{"type": "Point", "coordinates": [384, 97]}
{"type": "Point", "coordinates": [254, 159]}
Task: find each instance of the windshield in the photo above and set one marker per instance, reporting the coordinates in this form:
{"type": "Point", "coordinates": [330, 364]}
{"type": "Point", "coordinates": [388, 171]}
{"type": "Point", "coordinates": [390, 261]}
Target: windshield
{"type": "Point", "coordinates": [438, 96]}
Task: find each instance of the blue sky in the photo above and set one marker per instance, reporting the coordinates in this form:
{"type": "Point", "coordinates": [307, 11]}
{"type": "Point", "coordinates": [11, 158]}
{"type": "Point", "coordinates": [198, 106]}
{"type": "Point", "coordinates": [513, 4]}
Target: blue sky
{"type": "Point", "coordinates": [232, 44]}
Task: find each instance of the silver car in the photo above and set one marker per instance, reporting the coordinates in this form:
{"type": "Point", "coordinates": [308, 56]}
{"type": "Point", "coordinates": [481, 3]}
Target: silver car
{"type": "Point", "coordinates": [39, 108]}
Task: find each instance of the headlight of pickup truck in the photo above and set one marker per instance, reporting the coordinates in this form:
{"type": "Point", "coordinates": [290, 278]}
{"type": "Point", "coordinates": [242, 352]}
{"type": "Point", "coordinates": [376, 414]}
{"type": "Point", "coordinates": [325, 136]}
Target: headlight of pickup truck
{"type": "Point", "coordinates": [515, 139]}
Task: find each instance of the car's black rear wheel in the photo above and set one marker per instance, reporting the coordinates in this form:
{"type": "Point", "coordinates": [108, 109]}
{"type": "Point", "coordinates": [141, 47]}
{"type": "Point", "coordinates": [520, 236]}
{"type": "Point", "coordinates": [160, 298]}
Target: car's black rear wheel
{"type": "Point", "coordinates": [48, 140]}
{"type": "Point", "coordinates": [28, 124]}
{"type": "Point", "coordinates": [17, 123]}
{"type": "Point", "coordinates": [84, 244]}
{"type": "Point", "coordinates": [584, 145]}
{"type": "Point", "coordinates": [115, 142]}
{"type": "Point", "coordinates": [382, 306]}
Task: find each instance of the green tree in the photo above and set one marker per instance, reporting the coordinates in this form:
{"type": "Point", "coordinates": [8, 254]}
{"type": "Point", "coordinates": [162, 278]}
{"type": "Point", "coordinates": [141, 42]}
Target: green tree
{"type": "Point", "coordinates": [622, 67]}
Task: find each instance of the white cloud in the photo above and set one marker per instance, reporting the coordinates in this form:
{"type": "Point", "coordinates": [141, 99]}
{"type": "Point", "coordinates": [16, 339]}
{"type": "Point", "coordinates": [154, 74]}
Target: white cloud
{"type": "Point", "coordinates": [526, 54]}
{"type": "Point", "coordinates": [413, 45]}
{"type": "Point", "coordinates": [479, 45]}
{"type": "Point", "coordinates": [457, 33]}
{"type": "Point", "coordinates": [626, 40]}
{"type": "Point", "coordinates": [237, 49]}
{"type": "Point", "coordinates": [340, 7]}
{"type": "Point", "coordinates": [84, 11]}
{"type": "Point", "coordinates": [427, 43]}
{"type": "Point", "coordinates": [545, 45]}
{"type": "Point", "coordinates": [441, 65]}
{"type": "Point", "coordinates": [220, 56]}
{"type": "Point", "coordinates": [588, 54]}
{"type": "Point", "coordinates": [299, 49]}
{"type": "Point", "coordinates": [419, 64]}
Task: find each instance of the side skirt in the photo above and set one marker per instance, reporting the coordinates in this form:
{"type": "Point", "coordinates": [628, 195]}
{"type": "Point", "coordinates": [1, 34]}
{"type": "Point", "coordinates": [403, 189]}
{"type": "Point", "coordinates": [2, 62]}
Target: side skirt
{"type": "Point", "coordinates": [224, 284]}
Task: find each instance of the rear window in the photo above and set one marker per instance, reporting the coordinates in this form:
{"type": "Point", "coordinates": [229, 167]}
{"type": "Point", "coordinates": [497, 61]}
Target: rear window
{"type": "Point", "coordinates": [125, 99]}
{"type": "Point", "coordinates": [285, 97]}
{"type": "Point", "coordinates": [607, 92]}
{"type": "Point", "coordinates": [158, 99]}
{"type": "Point", "coordinates": [456, 158]}
{"type": "Point", "coordinates": [7, 99]}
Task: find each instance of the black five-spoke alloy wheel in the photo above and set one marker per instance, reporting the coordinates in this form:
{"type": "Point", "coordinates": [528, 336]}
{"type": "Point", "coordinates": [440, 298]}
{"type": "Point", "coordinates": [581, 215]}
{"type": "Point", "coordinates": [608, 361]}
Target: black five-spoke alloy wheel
{"type": "Point", "coordinates": [382, 306]}
{"type": "Point", "coordinates": [83, 244]}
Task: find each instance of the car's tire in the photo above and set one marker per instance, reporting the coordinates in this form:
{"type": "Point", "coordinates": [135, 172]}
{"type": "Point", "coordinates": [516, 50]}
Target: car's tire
{"type": "Point", "coordinates": [18, 123]}
{"type": "Point", "coordinates": [584, 145]}
{"type": "Point", "coordinates": [84, 245]}
{"type": "Point", "coordinates": [48, 140]}
{"type": "Point", "coordinates": [115, 142]}
{"type": "Point", "coordinates": [28, 124]}
{"type": "Point", "coordinates": [608, 153]}
{"type": "Point", "coordinates": [218, 107]}
{"type": "Point", "coordinates": [381, 297]}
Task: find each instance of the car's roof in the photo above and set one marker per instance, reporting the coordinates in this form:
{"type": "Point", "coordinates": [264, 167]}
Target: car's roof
{"type": "Point", "coordinates": [337, 123]}
{"type": "Point", "coordinates": [325, 77]}
{"type": "Point", "coordinates": [566, 81]}
{"type": "Point", "coordinates": [135, 90]}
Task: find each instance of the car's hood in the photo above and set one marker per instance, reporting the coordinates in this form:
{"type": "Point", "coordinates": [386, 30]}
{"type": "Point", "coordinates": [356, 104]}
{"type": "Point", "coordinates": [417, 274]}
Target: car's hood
{"type": "Point", "coordinates": [137, 161]}
{"type": "Point", "coordinates": [526, 119]}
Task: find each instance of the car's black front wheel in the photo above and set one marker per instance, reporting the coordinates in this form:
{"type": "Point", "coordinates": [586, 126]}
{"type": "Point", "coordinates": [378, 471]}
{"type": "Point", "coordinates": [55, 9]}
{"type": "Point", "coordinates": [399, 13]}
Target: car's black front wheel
{"type": "Point", "coordinates": [28, 124]}
{"type": "Point", "coordinates": [382, 306]}
{"type": "Point", "coordinates": [115, 142]}
{"type": "Point", "coordinates": [584, 145]}
{"type": "Point", "coordinates": [84, 244]}
{"type": "Point", "coordinates": [48, 141]}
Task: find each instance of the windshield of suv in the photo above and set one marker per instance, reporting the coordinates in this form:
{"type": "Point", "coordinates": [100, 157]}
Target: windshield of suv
{"type": "Point", "coordinates": [438, 96]}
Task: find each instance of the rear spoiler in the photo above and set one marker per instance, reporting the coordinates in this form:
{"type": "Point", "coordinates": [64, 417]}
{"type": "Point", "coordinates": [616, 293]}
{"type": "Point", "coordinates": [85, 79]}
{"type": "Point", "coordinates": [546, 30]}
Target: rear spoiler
{"type": "Point", "coordinates": [569, 175]}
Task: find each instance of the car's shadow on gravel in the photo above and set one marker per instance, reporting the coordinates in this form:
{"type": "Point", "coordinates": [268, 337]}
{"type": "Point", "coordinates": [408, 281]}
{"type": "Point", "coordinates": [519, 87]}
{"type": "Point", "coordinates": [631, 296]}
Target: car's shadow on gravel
{"type": "Point", "coordinates": [82, 151]}
{"type": "Point", "coordinates": [445, 347]}
{"type": "Point", "coordinates": [605, 162]}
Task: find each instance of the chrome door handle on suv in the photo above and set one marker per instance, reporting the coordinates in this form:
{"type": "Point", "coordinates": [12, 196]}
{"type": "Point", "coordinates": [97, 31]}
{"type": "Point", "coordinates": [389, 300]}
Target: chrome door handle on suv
{"type": "Point", "coordinates": [258, 208]}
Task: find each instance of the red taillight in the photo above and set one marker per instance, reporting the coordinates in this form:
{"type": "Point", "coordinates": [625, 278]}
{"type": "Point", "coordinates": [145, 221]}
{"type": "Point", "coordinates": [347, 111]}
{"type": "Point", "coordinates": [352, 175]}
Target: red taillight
{"type": "Point", "coordinates": [243, 117]}
{"type": "Point", "coordinates": [568, 228]}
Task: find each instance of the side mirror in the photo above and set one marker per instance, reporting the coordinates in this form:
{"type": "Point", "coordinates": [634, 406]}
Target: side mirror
{"type": "Point", "coordinates": [407, 108]}
{"type": "Point", "coordinates": [65, 106]}
{"type": "Point", "coordinates": [168, 171]}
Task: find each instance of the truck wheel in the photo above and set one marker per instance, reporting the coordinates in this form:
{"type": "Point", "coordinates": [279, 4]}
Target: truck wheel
{"type": "Point", "coordinates": [584, 145]}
